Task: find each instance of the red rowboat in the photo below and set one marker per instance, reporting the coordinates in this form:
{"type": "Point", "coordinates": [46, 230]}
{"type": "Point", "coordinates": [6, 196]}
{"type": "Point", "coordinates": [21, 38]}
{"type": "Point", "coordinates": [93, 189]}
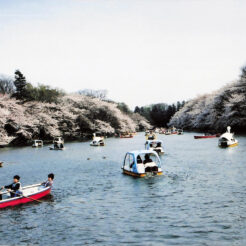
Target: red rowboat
{"type": "Point", "coordinates": [30, 194]}
{"type": "Point", "coordinates": [207, 136]}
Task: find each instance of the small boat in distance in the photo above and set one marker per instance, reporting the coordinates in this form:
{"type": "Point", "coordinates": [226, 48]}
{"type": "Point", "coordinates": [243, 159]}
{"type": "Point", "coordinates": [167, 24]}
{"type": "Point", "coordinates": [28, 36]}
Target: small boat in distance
{"type": "Point", "coordinates": [207, 135]}
{"type": "Point", "coordinates": [150, 136]}
{"type": "Point", "coordinates": [180, 132]}
{"type": "Point", "coordinates": [30, 194]}
{"type": "Point", "coordinates": [97, 140]}
{"type": "Point", "coordinates": [58, 144]}
{"type": "Point", "coordinates": [141, 163]}
{"type": "Point", "coordinates": [37, 143]}
{"type": "Point", "coordinates": [155, 145]}
{"type": "Point", "coordinates": [162, 131]}
{"type": "Point", "coordinates": [126, 135]}
{"type": "Point", "coordinates": [174, 130]}
{"type": "Point", "coordinates": [168, 132]}
{"type": "Point", "coordinates": [227, 139]}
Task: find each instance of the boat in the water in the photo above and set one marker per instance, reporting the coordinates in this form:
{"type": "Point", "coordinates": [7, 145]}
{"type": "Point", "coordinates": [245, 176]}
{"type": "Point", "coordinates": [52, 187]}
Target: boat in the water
{"type": "Point", "coordinates": [207, 135]}
{"type": "Point", "coordinates": [97, 140]}
{"type": "Point", "coordinates": [174, 130]}
{"type": "Point", "coordinates": [162, 131]}
{"type": "Point", "coordinates": [126, 135]}
{"type": "Point", "coordinates": [227, 139]}
{"type": "Point", "coordinates": [37, 143]}
{"type": "Point", "coordinates": [155, 145]}
{"type": "Point", "coordinates": [141, 163]}
{"type": "Point", "coordinates": [29, 194]}
{"type": "Point", "coordinates": [168, 132]}
{"type": "Point", "coordinates": [150, 136]}
{"type": "Point", "coordinates": [58, 144]}
{"type": "Point", "coordinates": [180, 132]}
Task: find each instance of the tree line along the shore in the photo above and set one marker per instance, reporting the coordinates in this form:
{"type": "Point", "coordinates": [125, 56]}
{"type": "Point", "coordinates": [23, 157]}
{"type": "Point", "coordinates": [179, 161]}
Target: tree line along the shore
{"type": "Point", "coordinates": [157, 114]}
{"type": "Point", "coordinates": [213, 111]}
{"type": "Point", "coordinates": [217, 110]}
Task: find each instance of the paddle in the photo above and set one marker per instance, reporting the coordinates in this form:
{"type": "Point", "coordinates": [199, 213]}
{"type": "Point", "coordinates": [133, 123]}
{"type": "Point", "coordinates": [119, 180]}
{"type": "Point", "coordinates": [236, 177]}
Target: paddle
{"type": "Point", "coordinates": [26, 197]}
{"type": "Point", "coordinates": [1, 197]}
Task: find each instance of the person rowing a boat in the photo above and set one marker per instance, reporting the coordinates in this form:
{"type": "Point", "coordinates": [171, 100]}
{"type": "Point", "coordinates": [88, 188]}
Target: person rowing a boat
{"type": "Point", "coordinates": [49, 181]}
{"type": "Point", "coordinates": [15, 188]}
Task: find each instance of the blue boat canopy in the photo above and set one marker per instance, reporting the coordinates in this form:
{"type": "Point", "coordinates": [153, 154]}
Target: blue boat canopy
{"type": "Point", "coordinates": [139, 152]}
{"type": "Point", "coordinates": [132, 160]}
{"type": "Point", "coordinates": [154, 141]}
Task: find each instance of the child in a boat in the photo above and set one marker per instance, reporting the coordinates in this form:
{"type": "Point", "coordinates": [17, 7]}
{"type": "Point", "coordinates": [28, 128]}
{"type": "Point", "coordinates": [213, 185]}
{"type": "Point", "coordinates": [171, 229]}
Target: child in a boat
{"type": "Point", "coordinates": [14, 188]}
{"type": "Point", "coordinates": [49, 181]}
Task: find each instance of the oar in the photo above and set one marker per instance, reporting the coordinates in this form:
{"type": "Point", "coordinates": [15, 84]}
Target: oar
{"type": "Point", "coordinates": [1, 197]}
{"type": "Point", "coordinates": [26, 197]}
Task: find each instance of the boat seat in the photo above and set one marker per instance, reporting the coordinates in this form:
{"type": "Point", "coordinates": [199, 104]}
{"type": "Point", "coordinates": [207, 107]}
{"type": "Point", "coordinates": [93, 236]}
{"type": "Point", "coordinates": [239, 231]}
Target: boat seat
{"type": "Point", "coordinates": [150, 164]}
{"type": "Point", "coordinates": [151, 169]}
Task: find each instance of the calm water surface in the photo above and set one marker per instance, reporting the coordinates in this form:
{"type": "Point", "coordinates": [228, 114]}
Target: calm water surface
{"type": "Point", "coordinates": [201, 199]}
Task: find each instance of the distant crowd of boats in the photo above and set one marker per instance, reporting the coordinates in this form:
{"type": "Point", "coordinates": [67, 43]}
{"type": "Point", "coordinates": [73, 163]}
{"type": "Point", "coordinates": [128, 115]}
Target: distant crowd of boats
{"type": "Point", "coordinates": [167, 131]}
{"type": "Point", "coordinates": [225, 140]}
{"type": "Point", "coordinates": [137, 163]}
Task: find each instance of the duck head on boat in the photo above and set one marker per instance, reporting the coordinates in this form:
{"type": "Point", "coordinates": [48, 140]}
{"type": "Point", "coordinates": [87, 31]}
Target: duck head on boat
{"type": "Point", "coordinates": [37, 143]}
{"type": "Point", "coordinates": [58, 140]}
{"type": "Point", "coordinates": [227, 139]}
{"type": "Point", "coordinates": [58, 144]}
{"type": "Point", "coordinates": [140, 163]}
{"type": "Point", "coordinates": [97, 140]}
{"type": "Point", "coordinates": [155, 145]}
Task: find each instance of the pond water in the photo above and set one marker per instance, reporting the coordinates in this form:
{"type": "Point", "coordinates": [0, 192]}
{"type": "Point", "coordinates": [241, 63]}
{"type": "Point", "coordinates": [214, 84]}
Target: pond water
{"type": "Point", "coordinates": [200, 199]}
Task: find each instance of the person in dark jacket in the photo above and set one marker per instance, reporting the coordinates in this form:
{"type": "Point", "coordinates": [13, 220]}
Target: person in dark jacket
{"type": "Point", "coordinates": [147, 159]}
{"type": "Point", "coordinates": [49, 181]}
{"type": "Point", "coordinates": [14, 188]}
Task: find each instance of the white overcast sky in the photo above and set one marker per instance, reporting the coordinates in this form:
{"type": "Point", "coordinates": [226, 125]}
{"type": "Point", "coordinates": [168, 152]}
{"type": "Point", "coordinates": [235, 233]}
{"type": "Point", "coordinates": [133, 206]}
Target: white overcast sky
{"type": "Point", "coordinates": [141, 51]}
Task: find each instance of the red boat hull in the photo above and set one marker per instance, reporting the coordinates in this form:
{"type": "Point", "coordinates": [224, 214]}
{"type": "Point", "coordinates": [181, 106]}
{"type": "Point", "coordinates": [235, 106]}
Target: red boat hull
{"type": "Point", "coordinates": [126, 136]}
{"type": "Point", "coordinates": [22, 200]}
{"type": "Point", "coordinates": [210, 136]}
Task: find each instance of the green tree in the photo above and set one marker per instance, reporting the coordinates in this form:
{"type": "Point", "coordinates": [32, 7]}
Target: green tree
{"type": "Point", "coordinates": [20, 84]}
{"type": "Point", "coordinates": [159, 114]}
{"type": "Point", "coordinates": [137, 110]}
{"type": "Point", "coordinates": [124, 108]}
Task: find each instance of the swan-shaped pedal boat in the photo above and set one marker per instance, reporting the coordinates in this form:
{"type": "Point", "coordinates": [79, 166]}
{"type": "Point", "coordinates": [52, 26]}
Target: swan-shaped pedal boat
{"type": "Point", "coordinates": [140, 163]}
{"type": "Point", "coordinates": [227, 139]}
{"type": "Point", "coordinates": [155, 145]}
{"type": "Point", "coordinates": [97, 140]}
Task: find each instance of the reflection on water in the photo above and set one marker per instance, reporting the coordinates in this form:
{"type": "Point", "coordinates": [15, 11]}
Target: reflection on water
{"type": "Point", "coordinates": [200, 199]}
